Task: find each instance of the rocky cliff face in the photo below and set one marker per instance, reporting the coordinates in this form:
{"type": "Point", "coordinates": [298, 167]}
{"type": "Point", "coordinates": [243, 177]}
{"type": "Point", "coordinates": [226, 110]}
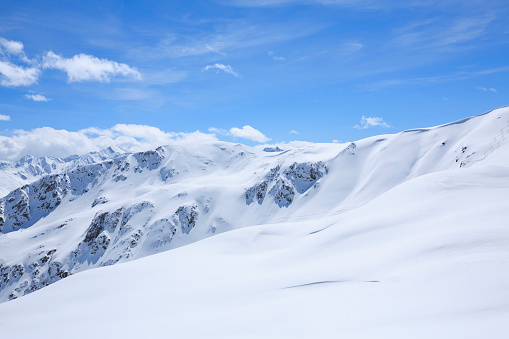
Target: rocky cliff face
{"type": "Point", "coordinates": [283, 184]}
{"type": "Point", "coordinates": [26, 205]}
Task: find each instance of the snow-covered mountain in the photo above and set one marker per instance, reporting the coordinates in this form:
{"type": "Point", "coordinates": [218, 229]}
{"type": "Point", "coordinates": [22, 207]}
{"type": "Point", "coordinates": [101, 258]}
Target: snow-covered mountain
{"type": "Point", "coordinates": [28, 169]}
{"type": "Point", "coordinates": [335, 227]}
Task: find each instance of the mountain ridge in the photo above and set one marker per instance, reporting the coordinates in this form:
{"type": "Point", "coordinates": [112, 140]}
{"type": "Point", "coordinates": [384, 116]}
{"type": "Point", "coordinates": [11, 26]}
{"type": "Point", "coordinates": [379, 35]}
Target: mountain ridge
{"type": "Point", "coordinates": [100, 211]}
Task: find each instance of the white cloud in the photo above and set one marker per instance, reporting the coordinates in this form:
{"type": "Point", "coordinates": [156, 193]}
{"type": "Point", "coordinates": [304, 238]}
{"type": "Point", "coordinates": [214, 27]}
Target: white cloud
{"type": "Point", "coordinates": [90, 131]}
{"type": "Point", "coordinates": [367, 122]}
{"type": "Point", "coordinates": [83, 67]}
{"type": "Point", "coordinates": [225, 68]}
{"type": "Point", "coordinates": [220, 131]}
{"type": "Point", "coordinates": [37, 97]}
{"type": "Point", "coordinates": [14, 75]}
{"type": "Point", "coordinates": [11, 47]}
{"type": "Point", "coordinates": [487, 89]}
{"type": "Point", "coordinates": [150, 134]}
{"type": "Point", "coordinates": [248, 132]}
{"type": "Point", "coordinates": [47, 141]}
{"type": "Point", "coordinates": [277, 58]}
{"type": "Point", "coordinates": [294, 132]}
{"type": "Point", "coordinates": [5, 117]}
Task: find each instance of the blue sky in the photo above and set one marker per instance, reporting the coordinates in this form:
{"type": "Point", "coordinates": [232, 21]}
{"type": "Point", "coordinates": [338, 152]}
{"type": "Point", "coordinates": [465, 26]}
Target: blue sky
{"type": "Point", "coordinates": [287, 69]}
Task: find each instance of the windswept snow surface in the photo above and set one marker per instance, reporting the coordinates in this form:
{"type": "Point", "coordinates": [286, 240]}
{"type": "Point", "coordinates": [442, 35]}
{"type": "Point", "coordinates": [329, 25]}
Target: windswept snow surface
{"type": "Point", "coordinates": [396, 236]}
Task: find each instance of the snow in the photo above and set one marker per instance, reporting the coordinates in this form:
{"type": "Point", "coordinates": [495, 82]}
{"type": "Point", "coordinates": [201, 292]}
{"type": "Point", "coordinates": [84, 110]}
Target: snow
{"type": "Point", "coordinates": [402, 235]}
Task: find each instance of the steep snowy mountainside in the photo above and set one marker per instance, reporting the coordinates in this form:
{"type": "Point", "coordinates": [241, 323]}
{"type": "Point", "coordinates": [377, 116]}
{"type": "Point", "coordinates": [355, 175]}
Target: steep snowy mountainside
{"type": "Point", "coordinates": [102, 211]}
{"type": "Point", "coordinates": [426, 259]}
{"type": "Point", "coordinates": [29, 168]}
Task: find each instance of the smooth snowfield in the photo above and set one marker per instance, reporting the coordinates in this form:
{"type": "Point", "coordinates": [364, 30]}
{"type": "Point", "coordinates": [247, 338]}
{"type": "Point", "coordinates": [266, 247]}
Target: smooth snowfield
{"type": "Point", "coordinates": [428, 259]}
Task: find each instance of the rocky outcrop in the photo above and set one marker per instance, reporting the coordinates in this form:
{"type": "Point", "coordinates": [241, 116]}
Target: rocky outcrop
{"type": "Point", "coordinates": [304, 175]}
{"type": "Point", "coordinates": [149, 159]}
{"type": "Point", "coordinates": [259, 190]}
{"type": "Point", "coordinates": [26, 205]}
{"type": "Point", "coordinates": [283, 184]}
{"type": "Point", "coordinates": [162, 232]}
{"type": "Point", "coordinates": [272, 149]}
{"type": "Point", "coordinates": [84, 177]}
{"type": "Point", "coordinates": [186, 217]}
{"type": "Point", "coordinates": [99, 201]}
{"type": "Point", "coordinates": [41, 270]}
{"type": "Point", "coordinates": [167, 173]}
{"type": "Point", "coordinates": [108, 239]}
{"type": "Point", "coordinates": [283, 192]}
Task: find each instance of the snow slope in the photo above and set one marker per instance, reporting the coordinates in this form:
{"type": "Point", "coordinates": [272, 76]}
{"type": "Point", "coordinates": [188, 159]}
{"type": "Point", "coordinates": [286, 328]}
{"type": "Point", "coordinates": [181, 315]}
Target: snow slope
{"type": "Point", "coordinates": [395, 236]}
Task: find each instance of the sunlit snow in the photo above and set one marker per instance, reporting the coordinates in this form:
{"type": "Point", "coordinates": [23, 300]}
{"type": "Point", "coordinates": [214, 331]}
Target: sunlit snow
{"type": "Point", "coordinates": [395, 236]}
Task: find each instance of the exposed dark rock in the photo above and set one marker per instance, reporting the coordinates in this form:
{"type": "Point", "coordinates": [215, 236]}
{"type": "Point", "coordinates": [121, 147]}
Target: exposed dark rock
{"type": "Point", "coordinates": [166, 173]}
{"type": "Point", "coordinates": [283, 184]}
{"type": "Point", "coordinates": [99, 201]}
{"type": "Point", "coordinates": [272, 149]}
{"type": "Point", "coordinates": [149, 159]}
{"type": "Point", "coordinates": [186, 216]}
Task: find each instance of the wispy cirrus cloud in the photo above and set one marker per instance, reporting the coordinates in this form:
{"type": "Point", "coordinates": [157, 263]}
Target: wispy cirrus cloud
{"type": "Point", "coordinates": [222, 39]}
{"type": "Point", "coordinates": [367, 122]}
{"type": "Point", "coordinates": [435, 33]}
{"type": "Point", "coordinates": [374, 86]}
{"type": "Point", "coordinates": [277, 3]}
{"type": "Point", "coordinates": [349, 48]}
{"type": "Point", "coordinates": [174, 46]}
{"type": "Point", "coordinates": [276, 58]}
{"type": "Point", "coordinates": [221, 67]}
{"type": "Point", "coordinates": [4, 117]}
{"type": "Point", "coordinates": [360, 4]}
{"type": "Point", "coordinates": [163, 76]}
{"type": "Point", "coordinates": [487, 89]}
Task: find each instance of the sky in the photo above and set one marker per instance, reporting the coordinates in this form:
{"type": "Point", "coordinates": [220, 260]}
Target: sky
{"type": "Point", "coordinates": [79, 76]}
